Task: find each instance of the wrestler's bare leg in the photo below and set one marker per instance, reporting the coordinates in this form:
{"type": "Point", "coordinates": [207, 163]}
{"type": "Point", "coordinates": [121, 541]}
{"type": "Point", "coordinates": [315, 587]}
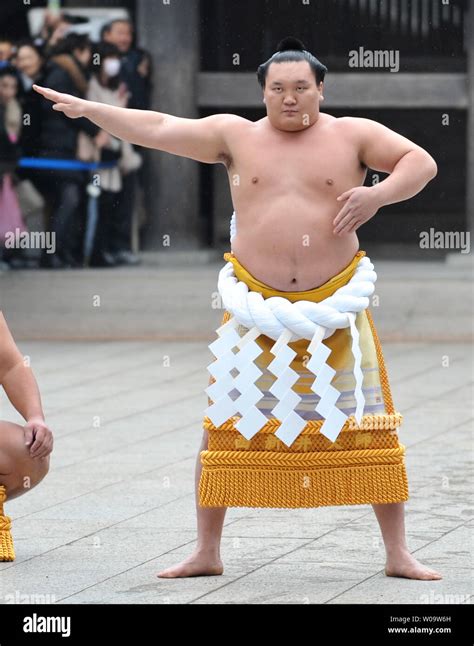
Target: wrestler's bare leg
{"type": "Point", "coordinates": [400, 562]}
{"type": "Point", "coordinates": [205, 560]}
{"type": "Point", "coordinates": [18, 471]}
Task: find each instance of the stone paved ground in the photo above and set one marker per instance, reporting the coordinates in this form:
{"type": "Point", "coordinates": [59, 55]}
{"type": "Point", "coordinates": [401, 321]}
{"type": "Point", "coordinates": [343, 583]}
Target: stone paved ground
{"type": "Point", "coordinates": [118, 504]}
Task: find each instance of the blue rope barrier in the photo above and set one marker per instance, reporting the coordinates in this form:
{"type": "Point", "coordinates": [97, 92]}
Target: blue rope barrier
{"type": "Point", "coordinates": [92, 203]}
{"type": "Point", "coordinates": [62, 164]}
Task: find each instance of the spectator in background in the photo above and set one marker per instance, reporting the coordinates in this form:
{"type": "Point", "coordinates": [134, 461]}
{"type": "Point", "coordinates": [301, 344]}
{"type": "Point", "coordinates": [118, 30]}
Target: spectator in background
{"type": "Point", "coordinates": [135, 71]}
{"type": "Point", "coordinates": [54, 29]}
{"type": "Point", "coordinates": [7, 50]}
{"type": "Point", "coordinates": [9, 102]}
{"type": "Point", "coordinates": [65, 71]}
{"type": "Point", "coordinates": [29, 62]}
{"type": "Point", "coordinates": [105, 86]}
{"type": "Point", "coordinates": [10, 127]}
{"type": "Point", "coordinates": [135, 67]}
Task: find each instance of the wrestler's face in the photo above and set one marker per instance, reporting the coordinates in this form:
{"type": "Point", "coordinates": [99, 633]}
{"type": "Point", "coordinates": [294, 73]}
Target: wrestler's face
{"type": "Point", "coordinates": [292, 86]}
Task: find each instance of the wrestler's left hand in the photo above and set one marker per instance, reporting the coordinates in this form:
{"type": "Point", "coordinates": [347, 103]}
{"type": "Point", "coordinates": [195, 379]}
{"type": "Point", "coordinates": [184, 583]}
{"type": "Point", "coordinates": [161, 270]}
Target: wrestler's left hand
{"type": "Point", "coordinates": [38, 437]}
{"type": "Point", "coordinates": [361, 204]}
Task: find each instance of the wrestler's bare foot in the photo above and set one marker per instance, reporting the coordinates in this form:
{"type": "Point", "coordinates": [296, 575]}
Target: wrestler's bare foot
{"type": "Point", "coordinates": [198, 564]}
{"type": "Point", "coordinates": [403, 564]}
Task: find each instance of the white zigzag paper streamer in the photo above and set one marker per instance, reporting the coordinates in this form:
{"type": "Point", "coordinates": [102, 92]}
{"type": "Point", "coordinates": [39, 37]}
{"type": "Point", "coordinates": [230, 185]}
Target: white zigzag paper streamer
{"type": "Point", "coordinates": [359, 396]}
{"type": "Point", "coordinates": [224, 406]}
{"type": "Point", "coordinates": [291, 423]}
{"type": "Point", "coordinates": [326, 407]}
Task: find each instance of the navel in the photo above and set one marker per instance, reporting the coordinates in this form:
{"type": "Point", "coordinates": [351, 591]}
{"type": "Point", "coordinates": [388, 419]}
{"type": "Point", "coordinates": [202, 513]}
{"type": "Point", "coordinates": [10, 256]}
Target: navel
{"type": "Point", "coordinates": [254, 180]}
{"type": "Point", "coordinates": [330, 181]}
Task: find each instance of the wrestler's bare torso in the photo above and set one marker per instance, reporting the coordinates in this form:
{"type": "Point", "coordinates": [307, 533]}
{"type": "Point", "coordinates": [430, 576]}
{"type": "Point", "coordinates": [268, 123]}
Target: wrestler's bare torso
{"type": "Point", "coordinates": [284, 187]}
{"type": "Point", "coordinates": [285, 175]}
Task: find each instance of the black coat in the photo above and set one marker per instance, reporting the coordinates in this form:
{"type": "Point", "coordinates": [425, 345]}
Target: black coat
{"type": "Point", "coordinates": [55, 133]}
{"type": "Point", "coordinates": [138, 86]}
{"type": "Point", "coordinates": [30, 102]}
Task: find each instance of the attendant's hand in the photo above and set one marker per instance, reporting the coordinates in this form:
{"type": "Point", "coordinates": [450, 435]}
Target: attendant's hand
{"type": "Point", "coordinates": [361, 204]}
{"type": "Point", "coordinates": [38, 437]}
{"type": "Point", "coordinates": [72, 106]}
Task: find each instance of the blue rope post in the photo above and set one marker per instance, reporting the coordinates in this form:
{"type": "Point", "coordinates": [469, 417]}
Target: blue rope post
{"type": "Point", "coordinates": [93, 193]}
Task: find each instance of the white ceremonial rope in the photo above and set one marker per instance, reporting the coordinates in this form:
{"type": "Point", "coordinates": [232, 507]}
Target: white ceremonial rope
{"type": "Point", "coordinates": [275, 314]}
{"type": "Point", "coordinates": [283, 321]}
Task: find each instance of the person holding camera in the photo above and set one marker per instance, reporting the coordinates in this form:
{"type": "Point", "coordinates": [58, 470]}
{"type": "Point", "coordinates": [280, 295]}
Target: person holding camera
{"type": "Point", "coordinates": [105, 86]}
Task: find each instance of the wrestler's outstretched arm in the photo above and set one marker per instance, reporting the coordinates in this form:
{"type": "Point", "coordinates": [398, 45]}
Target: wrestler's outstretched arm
{"type": "Point", "coordinates": [200, 139]}
{"type": "Point", "coordinates": [22, 390]}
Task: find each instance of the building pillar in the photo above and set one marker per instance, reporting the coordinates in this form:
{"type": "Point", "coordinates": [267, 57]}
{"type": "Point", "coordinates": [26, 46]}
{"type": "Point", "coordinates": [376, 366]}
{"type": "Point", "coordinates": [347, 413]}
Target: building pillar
{"type": "Point", "coordinates": [469, 35]}
{"type": "Point", "coordinates": [169, 31]}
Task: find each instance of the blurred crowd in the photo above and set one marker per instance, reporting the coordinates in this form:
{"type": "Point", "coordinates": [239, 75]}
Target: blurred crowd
{"type": "Point", "coordinates": [111, 71]}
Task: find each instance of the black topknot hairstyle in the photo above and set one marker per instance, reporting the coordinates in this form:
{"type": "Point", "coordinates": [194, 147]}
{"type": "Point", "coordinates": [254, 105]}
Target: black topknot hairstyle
{"type": "Point", "coordinates": [292, 49]}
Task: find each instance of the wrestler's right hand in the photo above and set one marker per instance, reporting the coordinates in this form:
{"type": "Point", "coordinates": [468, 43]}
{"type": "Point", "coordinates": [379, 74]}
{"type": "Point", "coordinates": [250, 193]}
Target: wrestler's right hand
{"type": "Point", "coordinates": [72, 106]}
{"type": "Point", "coordinates": [38, 437]}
